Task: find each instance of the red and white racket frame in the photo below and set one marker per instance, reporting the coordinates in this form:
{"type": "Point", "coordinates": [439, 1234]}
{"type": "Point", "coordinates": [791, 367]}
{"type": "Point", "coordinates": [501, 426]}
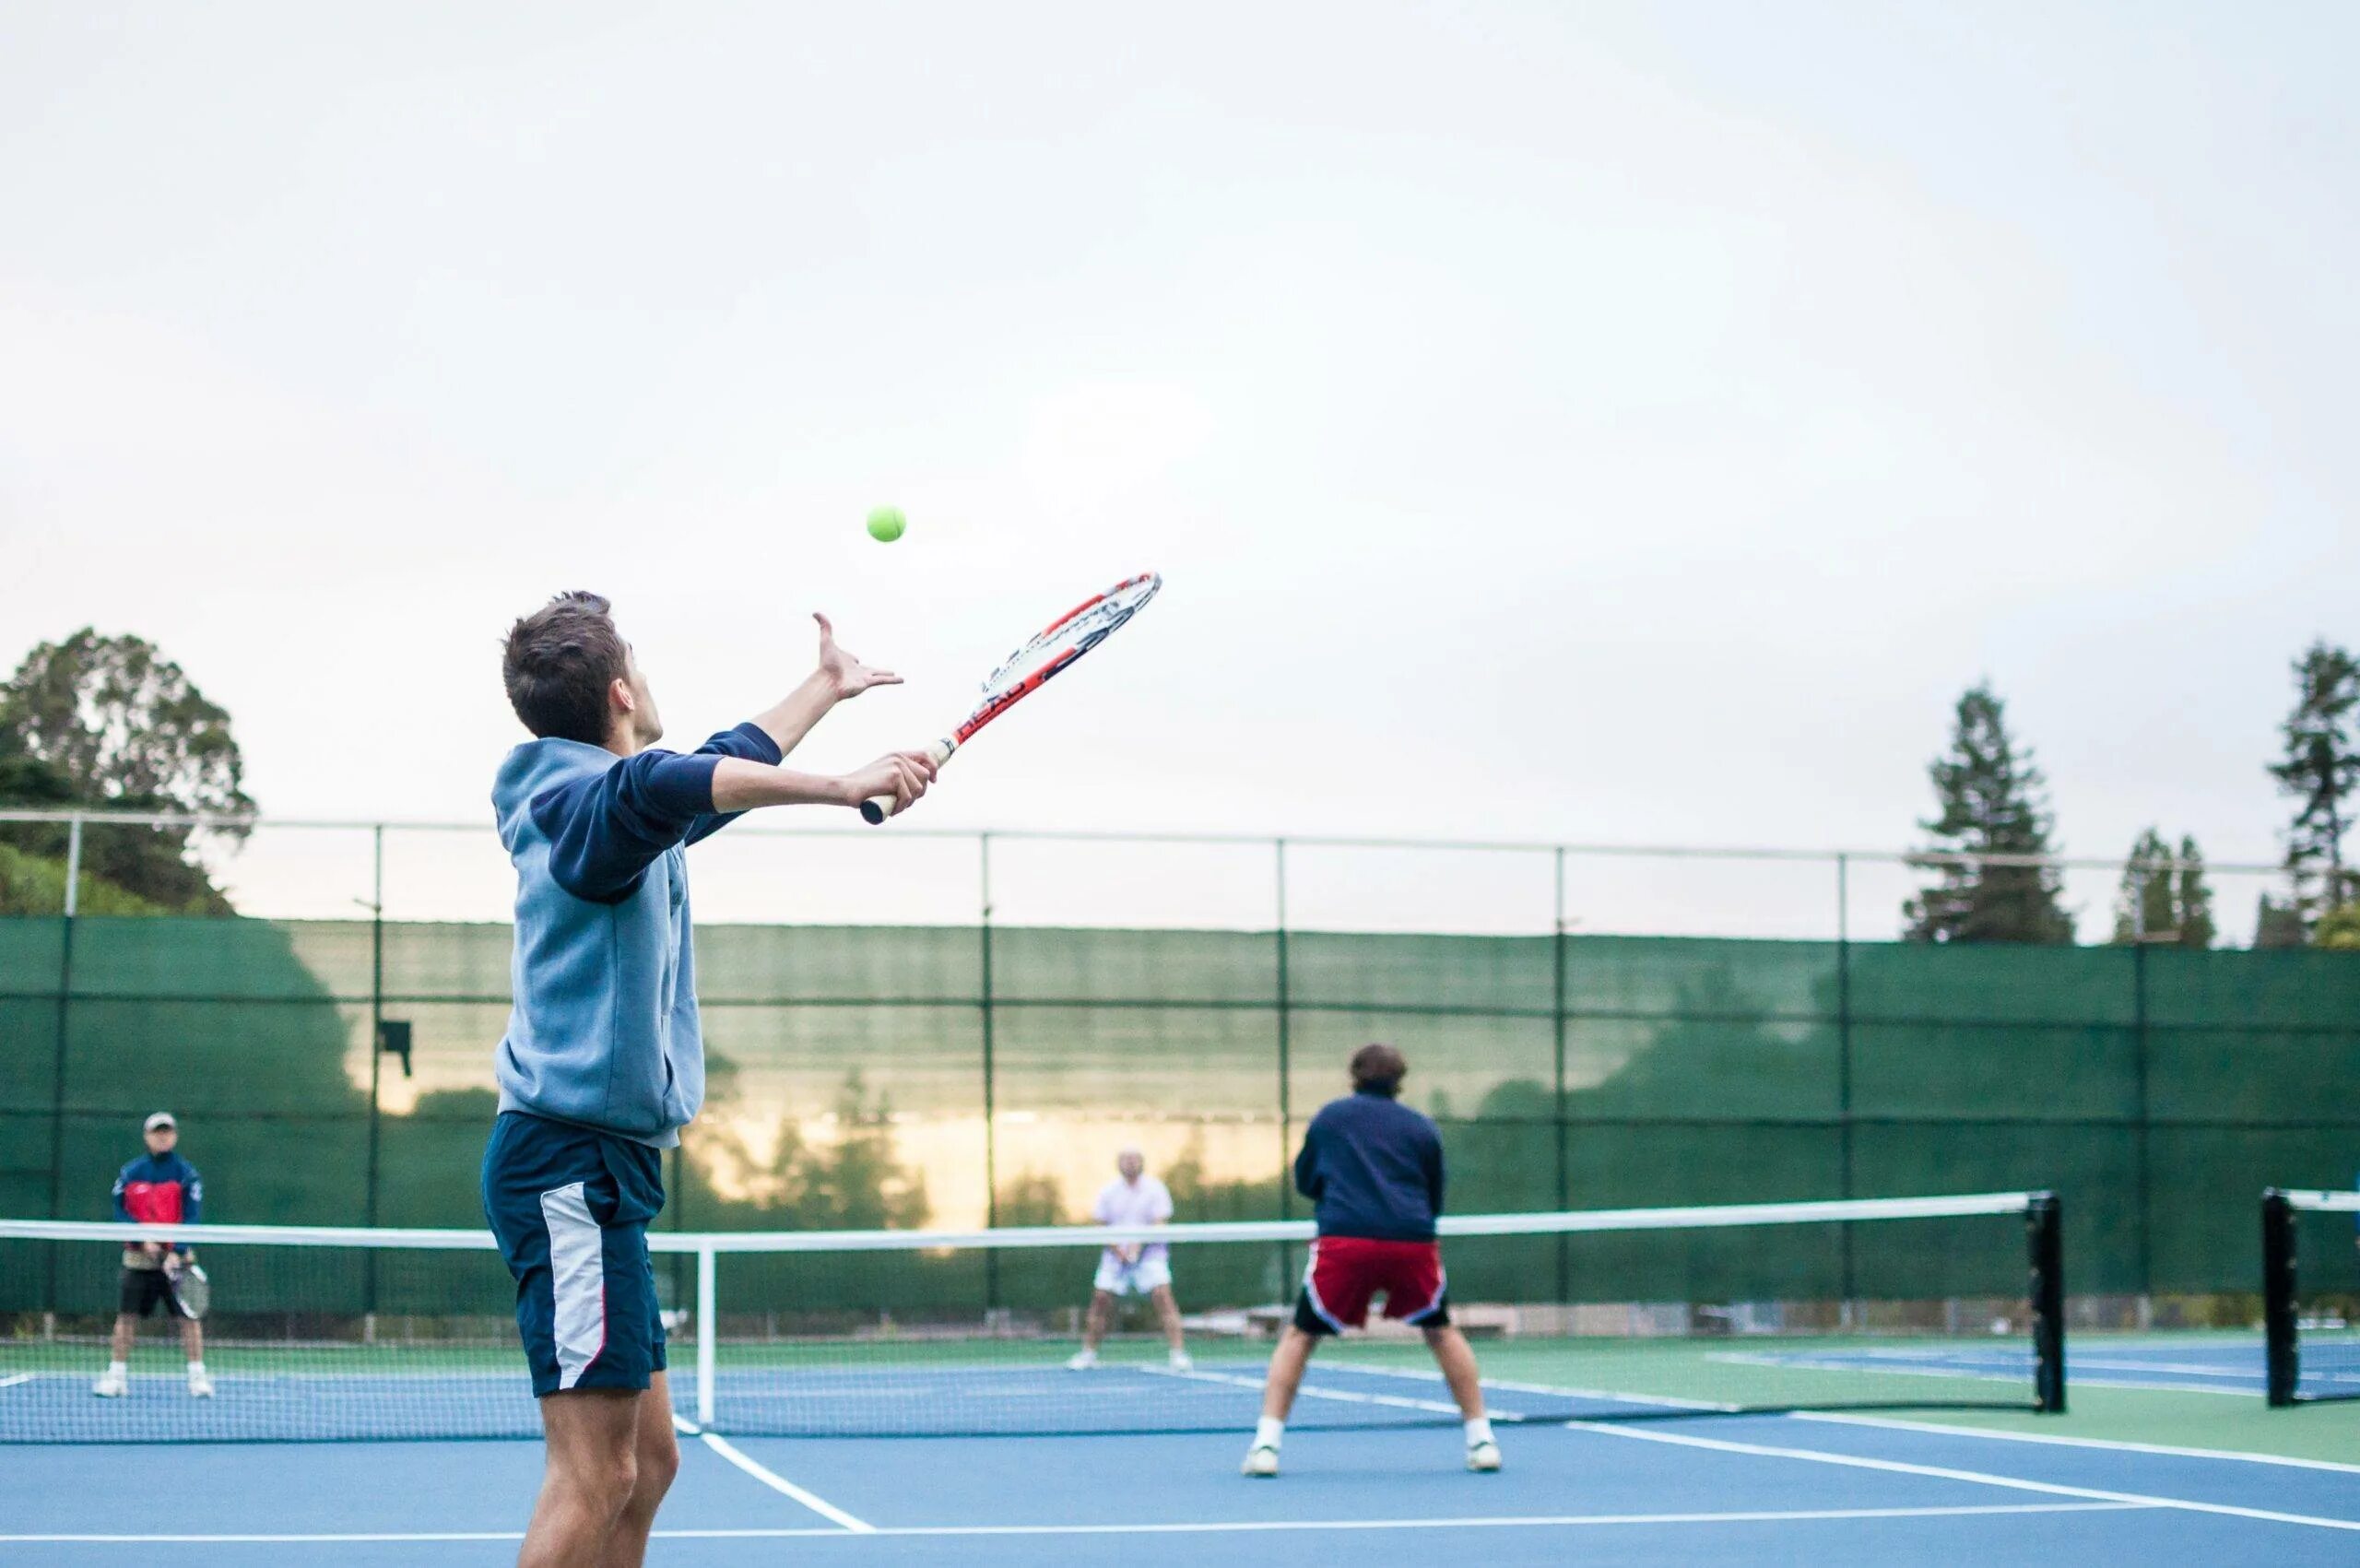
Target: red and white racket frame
{"type": "Point", "coordinates": [1085, 626]}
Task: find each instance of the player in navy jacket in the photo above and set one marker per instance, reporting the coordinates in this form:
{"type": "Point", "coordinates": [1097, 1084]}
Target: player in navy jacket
{"type": "Point", "coordinates": [158, 1188]}
{"type": "Point", "coordinates": [1373, 1168]}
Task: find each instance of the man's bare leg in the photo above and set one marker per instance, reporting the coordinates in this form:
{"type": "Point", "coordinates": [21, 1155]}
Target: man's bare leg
{"type": "Point", "coordinates": [1286, 1364]}
{"type": "Point", "coordinates": [1093, 1323]}
{"type": "Point", "coordinates": [591, 1471]}
{"type": "Point", "coordinates": [1458, 1362]}
{"type": "Point", "coordinates": [1167, 1311]}
{"type": "Point", "coordinates": [126, 1328]}
{"type": "Point", "coordinates": [193, 1338]}
{"type": "Point", "coordinates": [658, 1454]}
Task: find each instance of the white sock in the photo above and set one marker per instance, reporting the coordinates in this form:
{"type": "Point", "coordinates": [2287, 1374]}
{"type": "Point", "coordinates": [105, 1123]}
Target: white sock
{"type": "Point", "coordinates": [196, 1369]}
{"type": "Point", "coordinates": [118, 1369]}
{"type": "Point", "coordinates": [1479, 1431]}
{"type": "Point", "coordinates": [1268, 1431]}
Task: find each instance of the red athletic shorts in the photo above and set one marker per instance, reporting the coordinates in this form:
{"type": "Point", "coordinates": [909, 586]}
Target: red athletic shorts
{"type": "Point", "coordinates": [1346, 1271]}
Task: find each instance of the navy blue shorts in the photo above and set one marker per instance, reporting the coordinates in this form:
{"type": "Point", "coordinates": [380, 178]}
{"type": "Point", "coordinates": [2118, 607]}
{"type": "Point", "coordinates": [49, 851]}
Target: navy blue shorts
{"type": "Point", "coordinates": [569, 1209]}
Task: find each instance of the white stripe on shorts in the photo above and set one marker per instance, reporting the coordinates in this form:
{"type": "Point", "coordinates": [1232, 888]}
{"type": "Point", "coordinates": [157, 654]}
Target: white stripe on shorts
{"type": "Point", "coordinates": [577, 1280]}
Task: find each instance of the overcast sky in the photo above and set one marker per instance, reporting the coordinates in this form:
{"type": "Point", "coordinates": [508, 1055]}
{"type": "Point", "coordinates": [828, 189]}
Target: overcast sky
{"type": "Point", "coordinates": [1611, 423]}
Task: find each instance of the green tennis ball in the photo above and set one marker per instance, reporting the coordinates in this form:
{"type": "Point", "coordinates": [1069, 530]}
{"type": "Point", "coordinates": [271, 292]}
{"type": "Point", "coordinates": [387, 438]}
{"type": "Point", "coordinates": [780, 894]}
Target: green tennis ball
{"type": "Point", "coordinates": [885, 524]}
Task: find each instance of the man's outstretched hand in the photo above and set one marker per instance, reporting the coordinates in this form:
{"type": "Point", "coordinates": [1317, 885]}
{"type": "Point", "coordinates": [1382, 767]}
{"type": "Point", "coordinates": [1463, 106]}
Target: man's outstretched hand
{"type": "Point", "coordinates": [845, 673]}
{"type": "Point", "coordinates": [901, 775]}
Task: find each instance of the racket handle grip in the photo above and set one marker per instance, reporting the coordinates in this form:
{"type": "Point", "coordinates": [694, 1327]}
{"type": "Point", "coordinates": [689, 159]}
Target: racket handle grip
{"type": "Point", "coordinates": [877, 808]}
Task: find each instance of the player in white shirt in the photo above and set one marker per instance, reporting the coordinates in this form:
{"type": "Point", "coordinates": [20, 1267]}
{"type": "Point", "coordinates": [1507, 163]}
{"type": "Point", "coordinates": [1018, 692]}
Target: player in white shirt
{"type": "Point", "coordinates": [1132, 1268]}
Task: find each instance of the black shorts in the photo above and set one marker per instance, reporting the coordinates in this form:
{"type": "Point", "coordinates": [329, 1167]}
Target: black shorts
{"type": "Point", "coordinates": [143, 1290]}
{"type": "Point", "coordinates": [570, 1207]}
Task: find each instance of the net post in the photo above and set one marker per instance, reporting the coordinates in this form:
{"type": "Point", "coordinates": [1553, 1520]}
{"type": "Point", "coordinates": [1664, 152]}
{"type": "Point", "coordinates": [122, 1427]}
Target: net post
{"type": "Point", "coordinates": [2281, 1355]}
{"type": "Point", "coordinates": [2044, 1239]}
{"type": "Point", "coordinates": [708, 1332]}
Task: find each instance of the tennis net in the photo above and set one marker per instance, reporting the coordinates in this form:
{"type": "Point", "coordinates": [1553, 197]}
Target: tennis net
{"type": "Point", "coordinates": [329, 1334]}
{"type": "Point", "coordinates": [2310, 1261]}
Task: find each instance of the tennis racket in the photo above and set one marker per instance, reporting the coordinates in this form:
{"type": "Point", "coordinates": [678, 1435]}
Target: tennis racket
{"type": "Point", "coordinates": [1026, 671]}
{"type": "Point", "coordinates": [191, 1291]}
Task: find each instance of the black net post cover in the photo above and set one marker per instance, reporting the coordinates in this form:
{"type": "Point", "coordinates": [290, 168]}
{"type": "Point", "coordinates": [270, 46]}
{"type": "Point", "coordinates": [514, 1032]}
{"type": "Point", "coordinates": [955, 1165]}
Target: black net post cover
{"type": "Point", "coordinates": [2310, 1294]}
{"type": "Point", "coordinates": [357, 1334]}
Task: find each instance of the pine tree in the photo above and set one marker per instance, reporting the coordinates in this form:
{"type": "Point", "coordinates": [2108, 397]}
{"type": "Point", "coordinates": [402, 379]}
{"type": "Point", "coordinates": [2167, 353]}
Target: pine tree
{"type": "Point", "coordinates": [2144, 908]}
{"type": "Point", "coordinates": [2322, 765]}
{"type": "Point", "coordinates": [2164, 897]}
{"type": "Point", "coordinates": [1993, 802]}
{"type": "Point", "coordinates": [2197, 927]}
{"type": "Point", "coordinates": [2279, 925]}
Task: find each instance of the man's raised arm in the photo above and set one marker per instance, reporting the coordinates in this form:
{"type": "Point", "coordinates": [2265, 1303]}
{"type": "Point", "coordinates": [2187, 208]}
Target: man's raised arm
{"type": "Point", "coordinates": [839, 677]}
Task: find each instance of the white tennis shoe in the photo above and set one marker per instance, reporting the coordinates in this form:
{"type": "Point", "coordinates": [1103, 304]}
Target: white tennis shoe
{"type": "Point", "coordinates": [200, 1385]}
{"type": "Point", "coordinates": [1261, 1460]}
{"type": "Point", "coordinates": [1082, 1361]}
{"type": "Point", "coordinates": [111, 1385]}
{"type": "Point", "coordinates": [1483, 1457]}
{"type": "Point", "coordinates": [1180, 1362]}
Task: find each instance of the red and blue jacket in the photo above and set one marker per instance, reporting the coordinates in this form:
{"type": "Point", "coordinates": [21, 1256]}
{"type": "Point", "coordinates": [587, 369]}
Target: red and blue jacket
{"type": "Point", "coordinates": [159, 1189]}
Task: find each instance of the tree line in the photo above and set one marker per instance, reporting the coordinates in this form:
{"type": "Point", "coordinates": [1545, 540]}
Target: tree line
{"type": "Point", "coordinates": [110, 722]}
{"type": "Point", "coordinates": [1993, 825]}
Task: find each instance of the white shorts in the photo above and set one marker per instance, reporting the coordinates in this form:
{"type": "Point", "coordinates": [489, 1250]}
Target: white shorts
{"type": "Point", "coordinates": [1118, 1278]}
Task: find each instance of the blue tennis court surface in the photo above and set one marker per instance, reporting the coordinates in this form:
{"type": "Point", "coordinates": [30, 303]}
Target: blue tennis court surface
{"type": "Point", "coordinates": [1741, 1489]}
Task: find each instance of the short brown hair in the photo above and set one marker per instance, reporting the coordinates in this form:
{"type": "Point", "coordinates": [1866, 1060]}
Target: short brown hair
{"type": "Point", "coordinates": [1379, 1069]}
{"type": "Point", "coordinates": [559, 662]}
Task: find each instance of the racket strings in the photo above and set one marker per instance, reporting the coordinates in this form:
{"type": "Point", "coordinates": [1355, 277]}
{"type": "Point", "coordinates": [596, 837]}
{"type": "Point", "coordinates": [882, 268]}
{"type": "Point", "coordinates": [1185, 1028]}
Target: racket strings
{"type": "Point", "coordinates": [1074, 634]}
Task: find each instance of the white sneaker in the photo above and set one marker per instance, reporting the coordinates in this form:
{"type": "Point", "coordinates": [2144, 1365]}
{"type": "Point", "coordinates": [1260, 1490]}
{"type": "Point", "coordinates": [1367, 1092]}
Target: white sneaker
{"type": "Point", "coordinates": [1082, 1361]}
{"type": "Point", "coordinates": [111, 1385]}
{"type": "Point", "coordinates": [1262, 1460]}
{"type": "Point", "coordinates": [1483, 1457]}
{"type": "Point", "coordinates": [1180, 1362]}
{"type": "Point", "coordinates": [200, 1385]}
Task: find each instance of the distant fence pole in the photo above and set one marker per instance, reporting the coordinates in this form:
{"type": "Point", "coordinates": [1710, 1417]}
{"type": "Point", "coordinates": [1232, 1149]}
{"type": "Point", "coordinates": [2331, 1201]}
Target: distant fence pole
{"type": "Point", "coordinates": [58, 1049]}
{"type": "Point", "coordinates": [1557, 1127]}
{"type": "Point", "coordinates": [1844, 1150]}
{"type": "Point", "coordinates": [991, 1118]}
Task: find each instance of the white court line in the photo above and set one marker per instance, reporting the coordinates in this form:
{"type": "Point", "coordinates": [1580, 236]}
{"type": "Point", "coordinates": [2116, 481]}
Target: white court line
{"type": "Point", "coordinates": [1392, 1401]}
{"type": "Point", "coordinates": [1559, 1391]}
{"type": "Point", "coordinates": [1967, 1363]}
{"type": "Point", "coordinates": [1235, 1526]}
{"type": "Point", "coordinates": [2120, 1444]}
{"type": "Point", "coordinates": [776, 1482]}
{"type": "Point", "coordinates": [1900, 1423]}
{"type": "Point", "coordinates": [1903, 1369]}
{"type": "Point", "coordinates": [12, 1382]}
{"type": "Point", "coordinates": [1941, 1472]}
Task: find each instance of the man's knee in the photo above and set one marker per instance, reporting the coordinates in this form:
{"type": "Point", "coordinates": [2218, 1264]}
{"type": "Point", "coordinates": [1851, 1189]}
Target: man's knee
{"type": "Point", "coordinates": [604, 1476]}
{"type": "Point", "coordinates": [659, 1461]}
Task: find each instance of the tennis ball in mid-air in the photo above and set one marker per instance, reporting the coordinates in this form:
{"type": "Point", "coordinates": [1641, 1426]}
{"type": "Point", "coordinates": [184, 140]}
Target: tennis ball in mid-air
{"type": "Point", "coordinates": [885, 524]}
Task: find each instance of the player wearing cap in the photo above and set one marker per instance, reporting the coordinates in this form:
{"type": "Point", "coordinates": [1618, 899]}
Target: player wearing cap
{"type": "Point", "coordinates": [158, 1188]}
{"type": "Point", "coordinates": [1375, 1169]}
{"type": "Point", "coordinates": [1132, 1268]}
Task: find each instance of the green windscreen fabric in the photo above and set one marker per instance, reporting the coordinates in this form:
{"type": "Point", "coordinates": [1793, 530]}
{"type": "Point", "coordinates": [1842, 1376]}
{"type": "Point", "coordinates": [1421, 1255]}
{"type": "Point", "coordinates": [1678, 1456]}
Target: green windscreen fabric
{"type": "Point", "coordinates": [952, 1075]}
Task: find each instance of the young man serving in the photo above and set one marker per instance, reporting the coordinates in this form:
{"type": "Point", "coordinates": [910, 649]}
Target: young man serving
{"type": "Point", "coordinates": [1373, 1167]}
{"type": "Point", "coordinates": [603, 1063]}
